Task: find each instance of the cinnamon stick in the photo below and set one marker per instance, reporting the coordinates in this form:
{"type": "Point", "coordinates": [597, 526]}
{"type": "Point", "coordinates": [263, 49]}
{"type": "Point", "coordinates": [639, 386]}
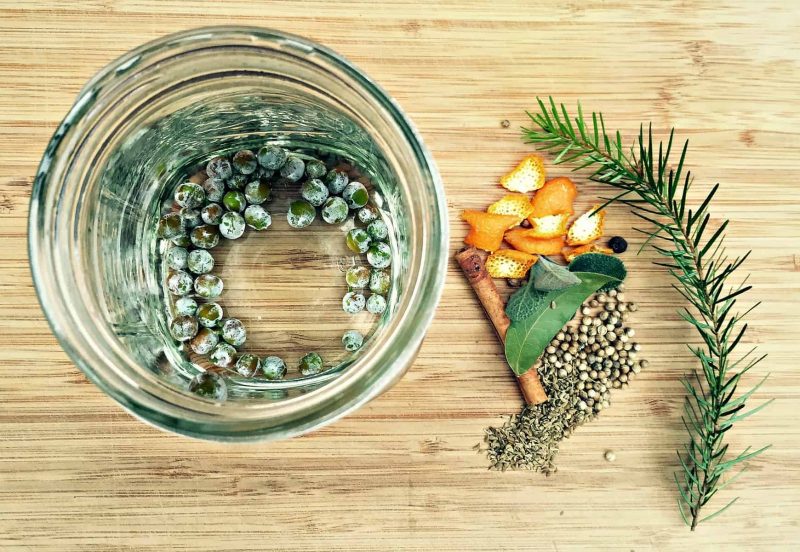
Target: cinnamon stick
{"type": "Point", "coordinates": [473, 265]}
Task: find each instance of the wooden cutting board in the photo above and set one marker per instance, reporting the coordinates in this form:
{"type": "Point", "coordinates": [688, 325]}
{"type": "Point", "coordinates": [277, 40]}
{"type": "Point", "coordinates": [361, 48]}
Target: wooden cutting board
{"type": "Point", "coordinates": [77, 473]}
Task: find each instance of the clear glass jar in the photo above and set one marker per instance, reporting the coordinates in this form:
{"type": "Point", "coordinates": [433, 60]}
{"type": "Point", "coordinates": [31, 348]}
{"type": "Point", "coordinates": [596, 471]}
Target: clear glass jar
{"type": "Point", "coordinates": [102, 182]}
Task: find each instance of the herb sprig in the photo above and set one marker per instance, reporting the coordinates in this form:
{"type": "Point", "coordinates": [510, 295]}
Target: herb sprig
{"type": "Point", "coordinates": [695, 256]}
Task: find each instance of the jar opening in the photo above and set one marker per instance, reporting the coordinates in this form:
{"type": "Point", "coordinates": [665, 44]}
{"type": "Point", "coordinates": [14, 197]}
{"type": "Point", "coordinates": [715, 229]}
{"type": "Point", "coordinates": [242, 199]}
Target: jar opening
{"type": "Point", "coordinates": [134, 130]}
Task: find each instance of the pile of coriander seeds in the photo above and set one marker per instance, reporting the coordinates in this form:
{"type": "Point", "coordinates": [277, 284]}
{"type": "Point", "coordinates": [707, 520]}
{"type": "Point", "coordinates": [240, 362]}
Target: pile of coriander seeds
{"type": "Point", "coordinates": [592, 355]}
{"type": "Point", "coordinates": [221, 202]}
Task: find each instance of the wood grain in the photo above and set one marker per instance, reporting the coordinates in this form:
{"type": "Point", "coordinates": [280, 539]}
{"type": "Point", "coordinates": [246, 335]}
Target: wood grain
{"type": "Point", "coordinates": [77, 473]}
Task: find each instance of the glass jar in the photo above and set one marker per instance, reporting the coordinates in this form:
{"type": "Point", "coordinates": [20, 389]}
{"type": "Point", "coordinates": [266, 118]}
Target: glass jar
{"type": "Point", "coordinates": [112, 162]}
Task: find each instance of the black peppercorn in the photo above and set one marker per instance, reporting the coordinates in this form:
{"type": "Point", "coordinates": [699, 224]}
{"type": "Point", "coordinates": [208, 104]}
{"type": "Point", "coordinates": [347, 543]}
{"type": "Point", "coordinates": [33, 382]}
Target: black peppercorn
{"type": "Point", "coordinates": [618, 244]}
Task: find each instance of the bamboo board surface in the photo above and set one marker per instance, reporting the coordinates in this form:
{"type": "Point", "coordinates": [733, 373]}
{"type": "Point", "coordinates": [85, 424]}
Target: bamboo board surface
{"type": "Point", "coordinates": [78, 473]}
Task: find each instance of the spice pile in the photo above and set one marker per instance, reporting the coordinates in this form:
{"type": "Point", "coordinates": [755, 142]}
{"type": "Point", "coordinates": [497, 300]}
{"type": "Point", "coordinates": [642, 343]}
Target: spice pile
{"type": "Point", "coordinates": [594, 354]}
{"type": "Point", "coordinates": [220, 202]}
{"type": "Point", "coordinates": [564, 329]}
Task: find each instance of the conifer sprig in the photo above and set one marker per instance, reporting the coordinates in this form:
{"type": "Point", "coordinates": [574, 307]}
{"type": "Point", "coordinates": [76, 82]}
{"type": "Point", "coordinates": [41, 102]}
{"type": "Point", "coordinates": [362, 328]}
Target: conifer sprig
{"type": "Point", "coordinates": [694, 254]}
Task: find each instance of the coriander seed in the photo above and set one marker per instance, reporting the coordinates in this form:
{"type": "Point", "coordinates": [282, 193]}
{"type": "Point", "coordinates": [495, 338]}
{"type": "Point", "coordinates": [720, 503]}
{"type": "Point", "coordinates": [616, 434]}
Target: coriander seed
{"type": "Point", "coordinates": [377, 230]}
{"type": "Point", "coordinates": [379, 281]}
{"type": "Point", "coordinates": [191, 218]}
{"type": "Point", "coordinates": [190, 195]}
{"type": "Point", "coordinates": [367, 214]}
{"type": "Point", "coordinates": [379, 255]}
{"type": "Point", "coordinates": [358, 240]}
{"type": "Point", "coordinates": [205, 236]}
{"type": "Point", "coordinates": [170, 226]}
{"type": "Point", "coordinates": [315, 169]}
{"type": "Point", "coordinates": [214, 189]}
{"type": "Point", "coordinates": [237, 182]}
{"type": "Point", "coordinates": [357, 277]}
{"type": "Point", "coordinates": [181, 240]}
{"type": "Point", "coordinates": [234, 201]}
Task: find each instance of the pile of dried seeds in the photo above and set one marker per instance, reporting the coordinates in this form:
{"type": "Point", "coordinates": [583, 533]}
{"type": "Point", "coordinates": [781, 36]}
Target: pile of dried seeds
{"type": "Point", "coordinates": [593, 354]}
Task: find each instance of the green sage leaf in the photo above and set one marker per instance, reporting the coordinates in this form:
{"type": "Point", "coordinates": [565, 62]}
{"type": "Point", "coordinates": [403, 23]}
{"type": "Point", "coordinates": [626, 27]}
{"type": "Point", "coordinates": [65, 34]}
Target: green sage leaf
{"type": "Point", "coordinates": [602, 264]}
{"type": "Point", "coordinates": [549, 276]}
{"type": "Point", "coordinates": [524, 303]}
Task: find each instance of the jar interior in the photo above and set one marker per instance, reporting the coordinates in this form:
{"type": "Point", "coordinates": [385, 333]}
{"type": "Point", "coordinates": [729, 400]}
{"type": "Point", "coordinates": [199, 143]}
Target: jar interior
{"type": "Point", "coordinates": [285, 284]}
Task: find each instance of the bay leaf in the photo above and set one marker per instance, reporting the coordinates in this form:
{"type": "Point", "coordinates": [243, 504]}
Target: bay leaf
{"type": "Point", "coordinates": [527, 338]}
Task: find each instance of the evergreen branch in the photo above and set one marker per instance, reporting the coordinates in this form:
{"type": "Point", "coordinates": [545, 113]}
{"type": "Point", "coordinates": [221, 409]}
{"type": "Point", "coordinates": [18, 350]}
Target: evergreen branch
{"type": "Point", "coordinates": [696, 259]}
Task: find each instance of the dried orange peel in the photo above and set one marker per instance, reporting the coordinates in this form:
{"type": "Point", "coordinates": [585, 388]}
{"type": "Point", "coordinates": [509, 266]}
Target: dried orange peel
{"type": "Point", "coordinates": [523, 240]}
{"type": "Point", "coordinates": [549, 226]}
{"type": "Point", "coordinates": [509, 263]}
{"type": "Point", "coordinates": [517, 205]}
{"type": "Point", "coordinates": [526, 177]}
{"type": "Point", "coordinates": [570, 254]}
{"type": "Point", "coordinates": [487, 229]}
{"type": "Point", "coordinates": [587, 228]}
{"type": "Point", "coordinates": [554, 198]}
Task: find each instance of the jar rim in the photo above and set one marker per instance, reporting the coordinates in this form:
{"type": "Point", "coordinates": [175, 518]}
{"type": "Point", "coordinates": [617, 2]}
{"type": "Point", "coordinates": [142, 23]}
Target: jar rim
{"type": "Point", "coordinates": [334, 399]}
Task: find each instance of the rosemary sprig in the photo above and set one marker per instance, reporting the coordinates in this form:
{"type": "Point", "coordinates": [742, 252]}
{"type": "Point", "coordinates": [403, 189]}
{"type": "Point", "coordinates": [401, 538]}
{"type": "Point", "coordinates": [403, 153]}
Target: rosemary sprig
{"type": "Point", "coordinates": [695, 256]}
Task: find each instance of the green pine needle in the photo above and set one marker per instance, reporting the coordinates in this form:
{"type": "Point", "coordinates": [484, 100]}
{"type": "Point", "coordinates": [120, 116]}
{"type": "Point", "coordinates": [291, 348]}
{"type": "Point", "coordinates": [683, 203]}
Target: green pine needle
{"type": "Point", "coordinates": [696, 259]}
